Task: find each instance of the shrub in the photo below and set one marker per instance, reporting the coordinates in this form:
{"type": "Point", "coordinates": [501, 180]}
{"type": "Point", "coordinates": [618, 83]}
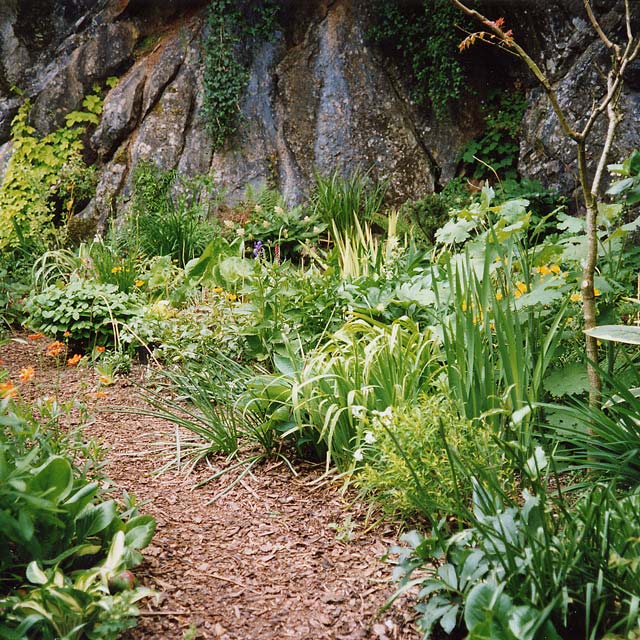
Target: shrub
{"type": "Point", "coordinates": [88, 313]}
{"type": "Point", "coordinates": [406, 466]}
{"type": "Point", "coordinates": [60, 532]}
{"type": "Point", "coordinates": [169, 214]}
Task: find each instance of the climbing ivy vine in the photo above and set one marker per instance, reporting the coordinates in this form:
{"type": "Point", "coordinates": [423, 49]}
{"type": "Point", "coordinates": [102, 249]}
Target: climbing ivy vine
{"type": "Point", "coordinates": [228, 24]}
{"type": "Point", "coordinates": [426, 38]}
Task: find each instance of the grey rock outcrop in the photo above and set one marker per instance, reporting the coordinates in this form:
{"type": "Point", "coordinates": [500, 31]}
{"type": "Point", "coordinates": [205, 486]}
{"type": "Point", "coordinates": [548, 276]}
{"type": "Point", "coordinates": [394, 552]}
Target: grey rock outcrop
{"type": "Point", "coordinates": [318, 97]}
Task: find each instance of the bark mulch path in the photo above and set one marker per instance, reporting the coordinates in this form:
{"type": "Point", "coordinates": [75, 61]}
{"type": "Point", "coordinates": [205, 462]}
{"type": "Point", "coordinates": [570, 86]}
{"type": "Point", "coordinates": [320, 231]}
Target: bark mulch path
{"type": "Point", "coordinates": [268, 560]}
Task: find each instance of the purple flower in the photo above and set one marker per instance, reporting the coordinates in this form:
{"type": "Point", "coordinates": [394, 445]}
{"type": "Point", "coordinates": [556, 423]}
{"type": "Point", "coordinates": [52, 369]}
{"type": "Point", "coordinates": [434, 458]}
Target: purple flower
{"type": "Point", "coordinates": [257, 249]}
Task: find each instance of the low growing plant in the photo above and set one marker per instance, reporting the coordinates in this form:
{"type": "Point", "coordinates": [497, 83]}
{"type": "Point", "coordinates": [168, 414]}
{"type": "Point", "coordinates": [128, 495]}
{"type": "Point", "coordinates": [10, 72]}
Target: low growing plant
{"type": "Point", "coordinates": [85, 312]}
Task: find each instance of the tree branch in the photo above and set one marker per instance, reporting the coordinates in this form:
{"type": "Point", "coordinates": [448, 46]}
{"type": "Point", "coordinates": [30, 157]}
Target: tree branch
{"type": "Point", "coordinates": [596, 26]}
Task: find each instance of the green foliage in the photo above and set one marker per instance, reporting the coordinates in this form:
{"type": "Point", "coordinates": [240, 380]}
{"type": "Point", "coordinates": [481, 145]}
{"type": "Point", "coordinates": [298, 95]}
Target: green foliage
{"type": "Point", "coordinates": [226, 76]}
{"type": "Point", "coordinates": [272, 230]}
{"type": "Point", "coordinates": [169, 214]}
{"type": "Point", "coordinates": [498, 146]}
{"type": "Point", "coordinates": [364, 366]}
{"type": "Point", "coordinates": [425, 37]}
{"type": "Point", "coordinates": [60, 531]}
{"type": "Point", "coordinates": [627, 187]}
{"type": "Point", "coordinates": [426, 215]}
{"type": "Point", "coordinates": [45, 178]}
{"type": "Point", "coordinates": [88, 312]}
{"type": "Point", "coordinates": [405, 465]}
{"type": "Point", "coordinates": [531, 568]}
{"type": "Point", "coordinates": [341, 202]}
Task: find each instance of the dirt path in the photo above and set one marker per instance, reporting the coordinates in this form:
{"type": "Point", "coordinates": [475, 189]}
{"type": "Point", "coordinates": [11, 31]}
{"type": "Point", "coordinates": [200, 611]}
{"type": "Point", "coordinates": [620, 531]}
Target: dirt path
{"type": "Point", "coordinates": [274, 558]}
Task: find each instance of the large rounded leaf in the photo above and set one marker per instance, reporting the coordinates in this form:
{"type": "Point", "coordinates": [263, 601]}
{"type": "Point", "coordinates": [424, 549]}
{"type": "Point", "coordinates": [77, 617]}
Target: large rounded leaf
{"type": "Point", "coordinates": [54, 479]}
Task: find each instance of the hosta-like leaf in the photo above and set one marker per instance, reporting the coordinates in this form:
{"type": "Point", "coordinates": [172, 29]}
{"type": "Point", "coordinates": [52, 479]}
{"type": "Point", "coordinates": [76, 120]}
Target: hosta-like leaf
{"type": "Point", "coordinates": [616, 333]}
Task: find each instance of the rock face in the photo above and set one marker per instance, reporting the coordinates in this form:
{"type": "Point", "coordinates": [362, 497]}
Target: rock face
{"type": "Point", "coordinates": [318, 97]}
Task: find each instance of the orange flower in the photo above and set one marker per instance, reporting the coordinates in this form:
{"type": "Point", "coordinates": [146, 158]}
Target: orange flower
{"type": "Point", "coordinates": [66, 334]}
{"type": "Point", "coordinates": [8, 390]}
{"type": "Point", "coordinates": [26, 373]}
{"type": "Point", "coordinates": [73, 361]}
{"type": "Point", "coordinates": [55, 349]}
{"type": "Point", "coordinates": [100, 349]}
{"type": "Point", "coordinates": [35, 336]}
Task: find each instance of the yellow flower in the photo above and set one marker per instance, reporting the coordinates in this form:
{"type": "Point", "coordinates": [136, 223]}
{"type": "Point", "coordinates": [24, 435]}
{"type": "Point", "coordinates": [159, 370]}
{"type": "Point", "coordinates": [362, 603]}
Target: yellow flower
{"type": "Point", "coordinates": [232, 297]}
{"type": "Point", "coordinates": [517, 293]}
{"type": "Point", "coordinates": [569, 319]}
{"type": "Point", "coordinates": [139, 283]}
{"type": "Point", "coordinates": [576, 297]}
{"type": "Point", "coordinates": [596, 292]}
{"type": "Point", "coordinates": [521, 287]}
{"type": "Point", "coordinates": [498, 295]}
{"type": "Point", "coordinates": [26, 373]}
{"type": "Point", "coordinates": [545, 271]}
{"type": "Point", "coordinates": [116, 269]}
{"type": "Point", "coordinates": [555, 268]}
{"type": "Point", "coordinates": [218, 290]}
{"type": "Point", "coordinates": [464, 306]}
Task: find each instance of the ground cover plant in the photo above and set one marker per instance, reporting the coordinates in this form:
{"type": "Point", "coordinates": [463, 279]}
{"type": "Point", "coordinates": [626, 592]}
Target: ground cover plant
{"type": "Point", "coordinates": [69, 548]}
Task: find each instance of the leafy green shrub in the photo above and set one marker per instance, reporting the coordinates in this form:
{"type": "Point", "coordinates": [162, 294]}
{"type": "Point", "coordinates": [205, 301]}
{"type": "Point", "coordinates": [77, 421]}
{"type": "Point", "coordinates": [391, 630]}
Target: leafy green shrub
{"type": "Point", "coordinates": [169, 215]}
{"type": "Point", "coordinates": [532, 569]}
{"type": "Point", "coordinates": [341, 201]}
{"type": "Point", "coordinates": [45, 177]}
{"type": "Point", "coordinates": [406, 467]}
{"type": "Point", "coordinates": [275, 231]}
{"type": "Point", "coordinates": [364, 364]}
{"type": "Point", "coordinates": [425, 37]}
{"type": "Point", "coordinates": [59, 531]}
{"type": "Point", "coordinates": [86, 312]}
{"type": "Point", "coordinates": [426, 215]}
{"type": "Point", "coordinates": [498, 146]}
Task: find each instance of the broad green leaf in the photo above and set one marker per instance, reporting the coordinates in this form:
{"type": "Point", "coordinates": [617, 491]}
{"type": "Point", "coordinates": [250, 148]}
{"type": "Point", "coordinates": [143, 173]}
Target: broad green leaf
{"type": "Point", "coordinates": [54, 478]}
{"type": "Point", "coordinates": [448, 620]}
{"type": "Point", "coordinates": [523, 621]}
{"type": "Point", "coordinates": [571, 379]}
{"type": "Point", "coordinates": [455, 231]}
{"type": "Point", "coordinates": [35, 574]}
{"type": "Point", "coordinates": [100, 517]}
{"type": "Point", "coordinates": [139, 531]}
{"type": "Point", "coordinates": [616, 333]}
{"type": "Point", "coordinates": [570, 223]}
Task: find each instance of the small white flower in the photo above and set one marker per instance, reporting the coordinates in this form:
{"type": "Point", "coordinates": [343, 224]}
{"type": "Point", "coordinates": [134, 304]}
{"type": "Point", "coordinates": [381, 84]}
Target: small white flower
{"type": "Point", "coordinates": [380, 306]}
{"type": "Point", "coordinates": [358, 455]}
{"type": "Point", "coordinates": [240, 231]}
{"type": "Point", "coordinates": [369, 438]}
{"type": "Point", "coordinates": [358, 411]}
{"type": "Point", "coordinates": [258, 208]}
{"type": "Point", "coordinates": [228, 223]}
{"type": "Point", "coordinates": [278, 210]}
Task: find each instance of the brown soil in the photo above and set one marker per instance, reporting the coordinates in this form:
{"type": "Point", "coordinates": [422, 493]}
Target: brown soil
{"type": "Point", "coordinates": [276, 557]}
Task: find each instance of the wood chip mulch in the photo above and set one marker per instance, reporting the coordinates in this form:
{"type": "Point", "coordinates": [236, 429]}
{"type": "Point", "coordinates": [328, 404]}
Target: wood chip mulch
{"type": "Point", "coordinates": [277, 557]}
